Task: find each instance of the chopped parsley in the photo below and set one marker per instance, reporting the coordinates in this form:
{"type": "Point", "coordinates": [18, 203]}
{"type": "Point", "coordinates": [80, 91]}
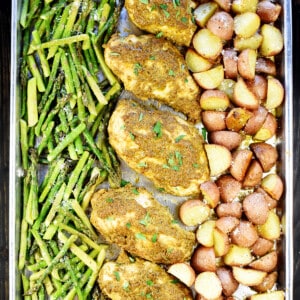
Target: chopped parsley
{"type": "Point", "coordinates": [184, 20]}
{"type": "Point", "coordinates": [175, 221]}
{"type": "Point", "coordinates": [153, 7]}
{"type": "Point", "coordinates": [142, 164]}
{"type": "Point", "coordinates": [136, 68]}
{"type": "Point", "coordinates": [141, 116]}
{"type": "Point", "coordinates": [171, 73]}
{"type": "Point", "coordinates": [179, 138]}
{"type": "Point", "coordinates": [163, 6]}
{"type": "Point", "coordinates": [135, 191]}
{"type": "Point", "coordinates": [114, 54]}
{"type": "Point", "coordinates": [149, 296]}
{"type": "Point", "coordinates": [149, 282]}
{"type": "Point", "coordinates": [157, 129]}
{"type": "Point", "coordinates": [128, 225]}
{"type": "Point", "coordinates": [123, 127]}
{"type": "Point", "coordinates": [161, 189]}
{"type": "Point", "coordinates": [152, 57]}
{"type": "Point", "coordinates": [132, 136]}
{"type": "Point", "coordinates": [167, 14]}
{"type": "Point", "coordinates": [196, 166]}
{"type": "Point", "coordinates": [146, 219]}
{"type": "Point", "coordinates": [117, 275]}
{"type": "Point", "coordinates": [170, 250]}
{"type": "Point", "coordinates": [204, 133]}
{"type": "Point", "coordinates": [124, 182]}
{"type": "Point", "coordinates": [126, 285]}
{"type": "Point", "coordinates": [159, 34]}
{"type": "Point", "coordinates": [109, 200]}
{"type": "Point", "coordinates": [140, 236]}
{"type": "Point", "coordinates": [110, 218]}
{"type": "Point", "coordinates": [174, 281]}
{"type": "Point", "coordinates": [154, 238]}
{"type": "Point", "coordinates": [176, 3]}
{"type": "Point", "coordinates": [186, 80]}
{"type": "Point", "coordinates": [174, 161]}
{"type": "Point", "coordinates": [144, 1]}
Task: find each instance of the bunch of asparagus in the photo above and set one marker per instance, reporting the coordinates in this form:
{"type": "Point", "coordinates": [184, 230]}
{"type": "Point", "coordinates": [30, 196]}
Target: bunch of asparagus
{"type": "Point", "coordinates": [67, 95]}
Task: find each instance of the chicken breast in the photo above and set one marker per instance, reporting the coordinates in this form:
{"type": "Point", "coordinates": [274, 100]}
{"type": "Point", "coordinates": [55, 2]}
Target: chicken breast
{"type": "Point", "coordinates": [153, 68]}
{"type": "Point", "coordinates": [131, 218]}
{"type": "Point", "coordinates": [163, 147]}
{"type": "Point", "coordinates": [140, 280]}
{"type": "Point", "coordinates": [171, 19]}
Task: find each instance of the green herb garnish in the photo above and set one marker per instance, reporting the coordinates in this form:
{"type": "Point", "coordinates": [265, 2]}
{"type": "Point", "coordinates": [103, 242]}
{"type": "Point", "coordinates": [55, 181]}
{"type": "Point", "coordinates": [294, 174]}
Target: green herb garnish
{"type": "Point", "coordinates": [157, 129]}
{"type": "Point", "coordinates": [136, 68]}
{"type": "Point", "coordinates": [135, 191]}
{"type": "Point", "coordinates": [144, 1]}
{"type": "Point", "coordinates": [179, 138]}
{"type": "Point", "coordinates": [146, 220]}
{"type": "Point", "coordinates": [117, 275]}
{"type": "Point", "coordinates": [140, 236]}
{"type": "Point", "coordinates": [154, 238]}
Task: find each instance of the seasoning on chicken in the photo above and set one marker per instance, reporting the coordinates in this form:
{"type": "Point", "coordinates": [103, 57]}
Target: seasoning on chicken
{"type": "Point", "coordinates": [131, 218]}
{"type": "Point", "coordinates": [171, 19]}
{"type": "Point", "coordinates": [153, 68]}
{"type": "Point", "coordinates": [140, 280]}
{"type": "Point", "coordinates": [163, 147]}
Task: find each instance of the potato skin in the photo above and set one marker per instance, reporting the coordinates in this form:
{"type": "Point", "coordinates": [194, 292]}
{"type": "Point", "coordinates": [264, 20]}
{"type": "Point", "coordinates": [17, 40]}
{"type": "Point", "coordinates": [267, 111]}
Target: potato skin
{"type": "Point", "coordinates": [253, 175]}
{"type": "Point", "coordinates": [229, 284]}
{"type": "Point", "coordinates": [266, 263]}
{"type": "Point", "coordinates": [267, 283]}
{"type": "Point", "coordinates": [262, 246]}
{"type": "Point", "coordinates": [203, 259]}
{"type": "Point", "coordinates": [244, 235]}
{"type": "Point", "coordinates": [258, 86]}
{"type": "Point", "coordinates": [266, 66]}
{"type": "Point", "coordinates": [229, 139]}
{"type": "Point", "coordinates": [256, 121]}
{"type": "Point", "coordinates": [232, 209]}
{"type": "Point", "coordinates": [227, 224]}
{"type": "Point", "coordinates": [268, 11]}
{"type": "Point", "coordinates": [221, 24]}
{"type": "Point", "coordinates": [229, 187]}
{"type": "Point", "coordinates": [214, 120]}
{"type": "Point", "coordinates": [240, 162]}
{"type": "Point", "coordinates": [230, 59]}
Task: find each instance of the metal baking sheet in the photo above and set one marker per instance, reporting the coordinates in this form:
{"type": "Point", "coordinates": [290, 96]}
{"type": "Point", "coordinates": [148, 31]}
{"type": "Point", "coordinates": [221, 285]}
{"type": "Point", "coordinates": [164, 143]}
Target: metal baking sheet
{"type": "Point", "coordinates": [285, 147]}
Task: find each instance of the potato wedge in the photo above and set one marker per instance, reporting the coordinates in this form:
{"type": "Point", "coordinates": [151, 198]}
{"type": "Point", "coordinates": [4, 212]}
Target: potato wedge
{"type": "Point", "coordinates": [238, 256]}
{"type": "Point", "coordinates": [205, 279]}
{"type": "Point", "coordinates": [241, 160]}
{"type": "Point", "coordinates": [229, 187]}
{"type": "Point", "coordinates": [258, 86]}
{"type": "Point", "coordinates": [273, 185]}
{"type": "Point", "coordinates": [227, 86]}
{"type": "Point", "coordinates": [237, 118]}
{"type": "Point", "coordinates": [229, 284]}
{"type": "Point", "coordinates": [203, 12]}
{"type": "Point", "coordinates": [221, 24]}
{"type": "Point", "coordinates": [266, 263]}
{"type": "Point", "coordinates": [224, 4]}
{"type": "Point", "coordinates": [253, 175]}
{"type": "Point", "coordinates": [229, 139]}
{"type": "Point", "coordinates": [210, 192]}
{"type": "Point", "coordinates": [276, 295]}
{"type": "Point", "coordinates": [227, 224]}
{"type": "Point", "coordinates": [268, 11]}
{"type": "Point", "coordinates": [195, 62]}
{"type": "Point", "coordinates": [204, 233]}
{"type": "Point", "coordinates": [244, 235]}
{"type": "Point", "coordinates": [246, 24]}
{"type": "Point", "coordinates": [272, 203]}
{"type": "Point", "coordinates": [267, 284]}
{"type": "Point", "coordinates": [207, 44]}
{"type": "Point", "coordinates": [210, 79]}
{"type": "Point", "coordinates": [266, 154]}
{"type": "Point", "coordinates": [213, 99]}
{"type": "Point", "coordinates": [219, 158]}
{"type": "Point", "coordinates": [270, 230]}
{"type": "Point", "coordinates": [204, 259]}
{"type": "Point", "coordinates": [221, 242]}
{"type": "Point", "coordinates": [268, 129]}
{"type": "Point", "coordinates": [241, 6]}
{"type": "Point", "coordinates": [184, 272]}
{"type": "Point", "coordinates": [246, 63]}
{"type": "Point", "coordinates": [232, 209]}
{"type": "Point", "coordinates": [256, 208]}
{"type": "Point", "coordinates": [272, 43]}
{"type": "Point", "coordinates": [213, 120]}
{"type": "Point", "coordinates": [256, 121]}
{"type": "Point", "coordinates": [243, 97]}
{"type": "Point", "coordinates": [253, 42]}
{"type": "Point", "coordinates": [248, 277]}
{"type": "Point", "coordinates": [275, 93]}
{"type": "Point", "coordinates": [262, 246]}
{"type": "Point", "coordinates": [193, 212]}
{"type": "Point", "coordinates": [266, 66]}
{"type": "Point", "coordinates": [230, 59]}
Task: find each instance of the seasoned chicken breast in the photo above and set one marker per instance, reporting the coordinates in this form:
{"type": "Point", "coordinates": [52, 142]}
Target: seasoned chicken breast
{"type": "Point", "coordinates": [171, 19]}
{"type": "Point", "coordinates": [131, 218]}
{"type": "Point", "coordinates": [163, 147]}
{"type": "Point", "coordinates": [140, 280]}
{"type": "Point", "coordinates": [153, 68]}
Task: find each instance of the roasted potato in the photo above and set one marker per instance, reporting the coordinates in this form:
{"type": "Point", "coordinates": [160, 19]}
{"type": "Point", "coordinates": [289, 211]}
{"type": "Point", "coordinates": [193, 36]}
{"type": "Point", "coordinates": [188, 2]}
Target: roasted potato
{"type": "Point", "coordinates": [227, 224]}
{"type": "Point", "coordinates": [219, 158]}
{"type": "Point", "coordinates": [221, 24]}
{"type": "Point", "coordinates": [247, 276]}
{"type": "Point", "coordinates": [246, 24]}
{"type": "Point", "coordinates": [214, 100]}
{"type": "Point", "coordinates": [266, 66]}
{"type": "Point", "coordinates": [253, 42]}
{"type": "Point", "coordinates": [229, 284]}
{"type": "Point", "coordinates": [275, 93]}
{"type": "Point", "coordinates": [268, 11]}
{"type": "Point", "coordinates": [203, 12]}
{"type": "Point", "coordinates": [193, 212]}
{"type": "Point", "coordinates": [224, 4]}
{"type": "Point", "coordinates": [241, 6]}
{"type": "Point", "coordinates": [213, 120]}
{"type": "Point", "coordinates": [227, 86]}
{"type": "Point", "coordinates": [229, 187]}
{"type": "Point", "coordinates": [266, 263]}
{"type": "Point", "coordinates": [253, 175]}
{"type": "Point", "coordinates": [272, 43]}
{"type": "Point", "coordinates": [207, 44]}
{"type": "Point", "coordinates": [195, 62]}
{"type": "Point", "coordinates": [238, 256]}
{"type": "Point", "coordinates": [243, 97]}
{"type": "Point", "coordinates": [210, 192]}
{"type": "Point", "coordinates": [232, 209]}
{"type": "Point", "coordinates": [271, 229]}
{"type": "Point", "coordinates": [266, 154]}
{"type": "Point", "coordinates": [204, 233]}
{"type": "Point", "coordinates": [210, 79]}
{"type": "Point", "coordinates": [275, 295]}
{"type": "Point", "coordinates": [204, 259]}
{"type": "Point", "coordinates": [262, 246]}
{"type": "Point", "coordinates": [258, 86]}
{"type": "Point", "coordinates": [230, 59]}
{"type": "Point", "coordinates": [256, 208]}
{"type": "Point", "coordinates": [221, 242]}
{"type": "Point", "coordinates": [273, 185]}
{"type": "Point", "coordinates": [246, 63]}
{"type": "Point", "coordinates": [237, 118]}
{"type": "Point", "coordinates": [268, 128]}
{"type": "Point", "coordinates": [229, 139]}
{"type": "Point", "coordinates": [272, 203]}
{"type": "Point", "coordinates": [241, 160]}
{"type": "Point", "coordinates": [244, 235]}
{"type": "Point", "coordinates": [267, 284]}
{"type": "Point", "coordinates": [205, 279]}
{"type": "Point", "coordinates": [256, 121]}
{"type": "Point", "coordinates": [184, 272]}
